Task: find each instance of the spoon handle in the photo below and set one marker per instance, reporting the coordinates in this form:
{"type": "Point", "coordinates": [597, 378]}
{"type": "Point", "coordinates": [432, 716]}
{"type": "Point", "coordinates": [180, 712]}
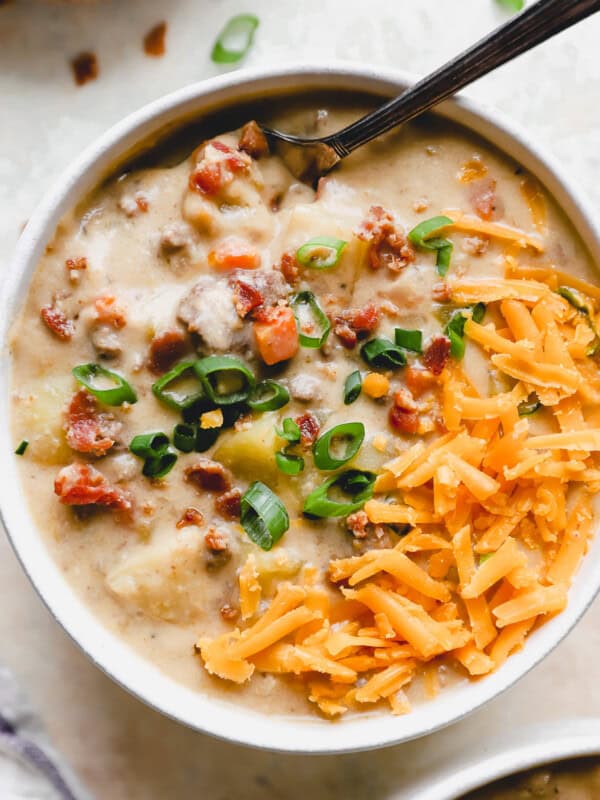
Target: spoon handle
{"type": "Point", "coordinates": [535, 25]}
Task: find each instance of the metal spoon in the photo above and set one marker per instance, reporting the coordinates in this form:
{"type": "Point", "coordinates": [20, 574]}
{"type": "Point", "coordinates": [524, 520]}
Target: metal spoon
{"type": "Point", "coordinates": [535, 25]}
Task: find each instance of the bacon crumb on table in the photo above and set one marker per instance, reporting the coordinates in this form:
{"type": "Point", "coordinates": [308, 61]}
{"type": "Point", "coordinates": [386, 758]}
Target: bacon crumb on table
{"type": "Point", "coordinates": [57, 322]}
{"type": "Point", "coordinates": [154, 40]}
{"type": "Point", "coordinates": [82, 485]}
{"type": "Point", "coordinates": [85, 68]}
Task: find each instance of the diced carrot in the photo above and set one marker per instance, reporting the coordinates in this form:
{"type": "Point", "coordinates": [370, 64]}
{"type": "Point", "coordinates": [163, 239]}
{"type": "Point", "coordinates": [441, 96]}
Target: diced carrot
{"type": "Point", "coordinates": [234, 253]}
{"type": "Point", "coordinates": [276, 335]}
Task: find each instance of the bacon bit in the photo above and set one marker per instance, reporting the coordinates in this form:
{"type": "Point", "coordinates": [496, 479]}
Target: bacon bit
{"type": "Point", "coordinates": [475, 245]}
{"type": "Point", "coordinates": [165, 350]}
{"type": "Point", "coordinates": [89, 430]}
{"type": "Point", "coordinates": [389, 246]}
{"type": "Point", "coordinates": [441, 293]}
{"type": "Point", "coordinates": [309, 428]}
{"type": "Point", "coordinates": [357, 524]}
{"type": "Point", "coordinates": [76, 263]}
{"type": "Point", "coordinates": [437, 354]}
{"type": "Point", "coordinates": [83, 485]}
{"type": "Point", "coordinates": [141, 202]}
{"type": "Point", "coordinates": [228, 504]}
{"type": "Point", "coordinates": [483, 198]}
{"type": "Point", "coordinates": [403, 415]}
{"type": "Point", "coordinates": [209, 476]}
{"type": "Point", "coordinates": [419, 380]}
{"type": "Point", "coordinates": [85, 68]}
{"type": "Point", "coordinates": [154, 40]}
{"type": "Point", "coordinates": [246, 298]}
{"type": "Point", "coordinates": [207, 178]}
{"type": "Point", "coordinates": [234, 253]}
{"type": "Point", "coordinates": [233, 160]}
{"type": "Point", "coordinates": [217, 544]}
{"type": "Point", "coordinates": [253, 141]}
{"type": "Point", "coordinates": [289, 267]}
{"type": "Point", "coordinates": [191, 516]}
{"type": "Point", "coordinates": [353, 323]}
{"type": "Point", "coordinates": [108, 311]}
{"type": "Point", "coordinates": [57, 322]}
{"type": "Point", "coordinates": [228, 612]}
{"type": "Point", "coordinates": [472, 170]}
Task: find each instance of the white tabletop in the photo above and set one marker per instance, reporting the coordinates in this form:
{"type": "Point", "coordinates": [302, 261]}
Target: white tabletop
{"type": "Point", "coordinates": [121, 749]}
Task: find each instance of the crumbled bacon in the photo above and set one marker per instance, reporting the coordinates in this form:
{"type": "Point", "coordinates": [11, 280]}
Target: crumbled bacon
{"type": "Point", "coordinates": [141, 202]}
{"type": "Point", "coordinates": [353, 323]}
{"type": "Point", "coordinates": [403, 414]}
{"type": "Point", "coordinates": [419, 380]}
{"type": "Point", "coordinates": [218, 551]}
{"type": "Point", "coordinates": [475, 245]}
{"type": "Point", "coordinates": [83, 485]}
{"type": "Point", "coordinates": [483, 198]}
{"type": "Point", "coordinates": [210, 175]}
{"type": "Point", "coordinates": [79, 263]}
{"type": "Point", "coordinates": [209, 476]}
{"type": "Point", "coordinates": [389, 247]}
{"type": "Point", "coordinates": [57, 321]}
{"type": "Point", "coordinates": [246, 298]}
{"type": "Point", "coordinates": [309, 428]}
{"type": "Point", "coordinates": [253, 141]}
{"type": "Point", "coordinates": [109, 312]}
{"type": "Point", "coordinates": [207, 178]}
{"type": "Point", "coordinates": [357, 524]}
{"type": "Point", "coordinates": [191, 516]}
{"type": "Point", "coordinates": [229, 612]}
{"type": "Point", "coordinates": [154, 40]}
{"type": "Point", "coordinates": [232, 158]}
{"type": "Point", "coordinates": [89, 430]}
{"type": "Point", "coordinates": [441, 292]}
{"type": "Point", "coordinates": [228, 504]}
{"type": "Point", "coordinates": [289, 267]}
{"type": "Point", "coordinates": [437, 354]}
{"type": "Point", "coordinates": [85, 68]}
{"type": "Point", "coordinates": [165, 350]}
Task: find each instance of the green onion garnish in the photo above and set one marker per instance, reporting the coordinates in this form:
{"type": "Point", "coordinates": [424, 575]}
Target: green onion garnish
{"type": "Point", "coordinates": [319, 319]}
{"type": "Point", "coordinates": [530, 406]}
{"type": "Point", "coordinates": [352, 387]}
{"type": "Point", "coordinates": [288, 463]}
{"type": "Point", "coordinates": [485, 557]}
{"type": "Point", "coordinates": [159, 466]}
{"type": "Point", "coordinates": [263, 515]}
{"type": "Point", "coordinates": [184, 437]}
{"type": "Point", "coordinates": [289, 431]}
{"type": "Point", "coordinates": [22, 447]}
{"type": "Point", "coordinates": [205, 438]}
{"type": "Point", "coordinates": [165, 388]}
{"type": "Point", "coordinates": [347, 438]}
{"type": "Point", "coordinates": [268, 396]}
{"type": "Point", "coordinates": [356, 483]}
{"type": "Point", "coordinates": [512, 5]}
{"type": "Point", "coordinates": [322, 252]}
{"type": "Point", "coordinates": [409, 340]}
{"type": "Point", "coordinates": [118, 393]}
{"type": "Point", "coordinates": [225, 379]}
{"type": "Point", "coordinates": [383, 354]}
{"type": "Point", "coordinates": [235, 39]}
{"type": "Point", "coordinates": [149, 445]}
{"type": "Point", "coordinates": [455, 329]}
{"type": "Point", "coordinates": [581, 304]}
{"type": "Point", "coordinates": [423, 237]}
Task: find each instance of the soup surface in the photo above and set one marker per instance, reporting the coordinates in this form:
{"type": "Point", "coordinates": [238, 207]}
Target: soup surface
{"type": "Point", "coordinates": [323, 449]}
{"type": "Point", "coordinates": [569, 780]}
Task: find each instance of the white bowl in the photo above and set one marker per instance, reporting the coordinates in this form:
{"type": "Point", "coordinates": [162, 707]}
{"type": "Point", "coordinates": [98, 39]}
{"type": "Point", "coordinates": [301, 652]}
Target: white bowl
{"type": "Point", "coordinates": [516, 751]}
{"type": "Point", "coordinates": [108, 651]}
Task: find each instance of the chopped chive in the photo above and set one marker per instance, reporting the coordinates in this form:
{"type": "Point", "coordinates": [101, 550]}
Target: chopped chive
{"type": "Point", "coordinates": [22, 447]}
{"type": "Point", "coordinates": [235, 39]}
{"type": "Point", "coordinates": [120, 392]}
{"type": "Point", "coordinates": [352, 387]}
{"type": "Point", "coordinates": [322, 252]}
{"type": "Point", "coordinates": [263, 515]}
{"type": "Point", "coordinates": [382, 353]}
{"type": "Point", "coordinates": [268, 396]}
{"type": "Point", "coordinates": [184, 437]}
{"type": "Point", "coordinates": [288, 463]}
{"type": "Point", "coordinates": [350, 434]}
{"type": "Point", "coordinates": [409, 340]}
{"type": "Point", "coordinates": [319, 318]}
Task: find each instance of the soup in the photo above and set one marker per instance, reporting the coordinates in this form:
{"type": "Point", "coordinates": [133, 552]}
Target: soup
{"type": "Point", "coordinates": [569, 780]}
{"type": "Point", "coordinates": [323, 449]}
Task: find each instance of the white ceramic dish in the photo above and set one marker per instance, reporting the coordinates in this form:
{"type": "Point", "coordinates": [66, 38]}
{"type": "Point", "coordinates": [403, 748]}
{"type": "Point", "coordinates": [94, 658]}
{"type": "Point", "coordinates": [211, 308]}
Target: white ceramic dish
{"type": "Point", "coordinates": [106, 650]}
{"type": "Point", "coordinates": [529, 748]}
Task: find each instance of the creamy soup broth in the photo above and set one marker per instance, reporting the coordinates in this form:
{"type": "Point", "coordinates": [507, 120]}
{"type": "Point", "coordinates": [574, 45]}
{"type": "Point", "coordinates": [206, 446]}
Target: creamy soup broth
{"type": "Point", "coordinates": [570, 780]}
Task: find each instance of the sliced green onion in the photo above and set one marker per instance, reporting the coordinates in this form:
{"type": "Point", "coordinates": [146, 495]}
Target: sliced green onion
{"type": "Point", "coordinates": [120, 392]}
{"type": "Point", "coordinates": [478, 312]}
{"type": "Point", "coordinates": [288, 463]}
{"type": "Point", "coordinates": [422, 236]}
{"type": "Point", "coordinates": [383, 353]}
{"type": "Point", "coordinates": [235, 39]}
{"type": "Point", "coordinates": [319, 319]}
{"type": "Point", "coordinates": [322, 252]}
{"type": "Point", "coordinates": [579, 302]}
{"type": "Point", "coordinates": [409, 340]}
{"type": "Point", "coordinates": [231, 414]}
{"type": "Point", "coordinates": [352, 387]}
{"type": "Point", "coordinates": [164, 388]}
{"type": "Point", "coordinates": [455, 329]}
{"type": "Point", "coordinates": [355, 483]}
{"type": "Point", "coordinates": [485, 557]}
{"type": "Point", "coordinates": [268, 396]}
{"type": "Point", "coordinates": [149, 445]}
{"type": "Point", "coordinates": [512, 5]}
{"type": "Point", "coordinates": [184, 437]}
{"type": "Point", "coordinates": [159, 466]}
{"type": "Point", "coordinates": [528, 407]}
{"type": "Point", "coordinates": [22, 447]}
{"type": "Point", "coordinates": [205, 438]}
{"type": "Point", "coordinates": [350, 434]}
{"type": "Point", "coordinates": [263, 515]}
{"type": "Point", "coordinates": [225, 379]}
{"type": "Point", "coordinates": [289, 431]}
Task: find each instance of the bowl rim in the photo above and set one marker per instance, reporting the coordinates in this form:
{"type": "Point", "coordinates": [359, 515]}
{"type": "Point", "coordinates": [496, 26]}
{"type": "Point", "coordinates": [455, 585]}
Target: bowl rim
{"type": "Point", "coordinates": [213, 716]}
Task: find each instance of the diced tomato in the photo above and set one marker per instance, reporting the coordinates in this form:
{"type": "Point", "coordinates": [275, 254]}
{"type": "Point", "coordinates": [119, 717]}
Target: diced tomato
{"type": "Point", "coordinates": [83, 485]}
{"type": "Point", "coordinates": [234, 253]}
{"type": "Point", "coordinates": [89, 430]}
{"type": "Point", "coordinates": [57, 321]}
{"type": "Point", "coordinates": [276, 334]}
{"type": "Point", "coordinates": [437, 354]}
{"type": "Point", "coordinates": [246, 298]}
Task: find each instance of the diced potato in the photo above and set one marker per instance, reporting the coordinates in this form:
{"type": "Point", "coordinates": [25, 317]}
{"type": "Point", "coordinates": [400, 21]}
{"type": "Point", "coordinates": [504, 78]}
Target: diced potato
{"type": "Point", "coordinates": [39, 417]}
{"type": "Point", "coordinates": [251, 453]}
{"type": "Point", "coordinates": [166, 581]}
